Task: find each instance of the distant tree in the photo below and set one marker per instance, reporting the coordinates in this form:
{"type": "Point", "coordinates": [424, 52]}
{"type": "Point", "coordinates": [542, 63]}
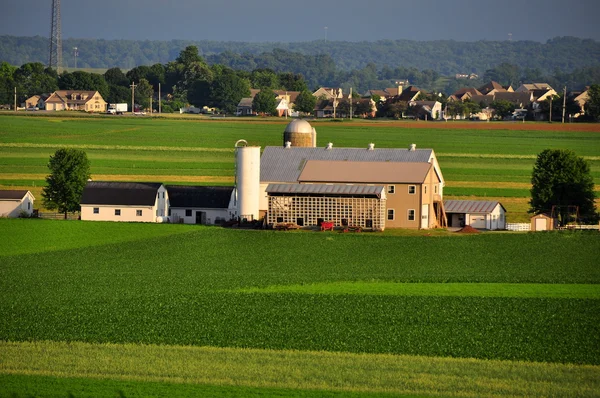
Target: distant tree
{"type": "Point", "coordinates": [116, 77]}
{"type": "Point", "coordinates": [143, 92]}
{"type": "Point", "coordinates": [69, 172]}
{"type": "Point", "coordinates": [138, 73]}
{"type": "Point", "coordinates": [189, 55]}
{"type": "Point", "coordinates": [561, 178]}
{"type": "Point", "coordinates": [6, 83]}
{"type": "Point", "coordinates": [118, 94]}
{"type": "Point", "coordinates": [264, 78]}
{"type": "Point", "coordinates": [227, 90]}
{"type": "Point", "coordinates": [362, 107]}
{"type": "Point", "coordinates": [592, 107]}
{"type": "Point", "coordinates": [471, 107]}
{"type": "Point", "coordinates": [305, 102]}
{"type": "Point", "coordinates": [455, 108]}
{"type": "Point", "coordinates": [265, 102]}
{"type": "Point", "coordinates": [503, 108]}
{"type": "Point", "coordinates": [34, 78]}
{"type": "Point", "coordinates": [292, 82]}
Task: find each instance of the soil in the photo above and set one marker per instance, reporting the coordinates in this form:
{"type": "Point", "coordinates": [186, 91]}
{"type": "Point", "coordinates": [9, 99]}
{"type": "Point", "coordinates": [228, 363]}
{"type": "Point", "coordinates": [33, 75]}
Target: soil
{"type": "Point", "coordinates": [468, 230]}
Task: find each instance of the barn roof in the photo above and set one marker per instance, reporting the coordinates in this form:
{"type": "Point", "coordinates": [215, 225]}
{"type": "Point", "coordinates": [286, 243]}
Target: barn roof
{"type": "Point", "coordinates": [326, 189]}
{"type": "Point", "coordinates": [120, 193]}
{"type": "Point", "coordinates": [199, 196]}
{"type": "Point", "coordinates": [364, 172]}
{"type": "Point", "coordinates": [279, 164]}
{"type": "Point", "coordinates": [471, 206]}
{"type": "Point", "coordinates": [12, 194]}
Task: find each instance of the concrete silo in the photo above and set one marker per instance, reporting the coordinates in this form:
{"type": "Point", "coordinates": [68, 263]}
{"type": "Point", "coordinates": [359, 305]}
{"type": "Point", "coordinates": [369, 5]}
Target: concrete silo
{"type": "Point", "coordinates": [299, 133]}
{"type": "Point", "coordinates": [247, 180]}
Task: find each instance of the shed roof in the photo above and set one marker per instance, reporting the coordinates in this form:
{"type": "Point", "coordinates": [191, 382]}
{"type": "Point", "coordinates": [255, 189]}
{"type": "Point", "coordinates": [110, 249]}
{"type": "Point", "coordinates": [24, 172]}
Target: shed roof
{"type": "Point", "coordinates": [13, 194]}
{"type": "Point", "coordinates": [327, 189]}
{"type": "Point", "coordinates": [199, 196]}
{"type": "Point", "coordinates": [120, 193]}
{"type": "Point", "coordinates": [280, 164]}
{"type": "Point", "coordinates": [471, 206]}
{"type": "Point", "coordinates": [364, 172]}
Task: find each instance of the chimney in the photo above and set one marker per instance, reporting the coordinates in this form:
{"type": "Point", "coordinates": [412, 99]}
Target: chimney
{"type": "Point", "coordinates": [288, 144]}
{"type": "Point", "coordinates": [413, 147]}
{"type": "Point", "coordinates": [329, 145]}
{"type": "Point", "coordinates": [371, 146]}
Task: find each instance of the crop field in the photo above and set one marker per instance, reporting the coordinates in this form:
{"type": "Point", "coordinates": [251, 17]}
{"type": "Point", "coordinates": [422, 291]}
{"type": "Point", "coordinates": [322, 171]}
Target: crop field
{"type": "Point", "coordinates": [479, 160]}
{"type": "Point", "coordinates": [92, 309]}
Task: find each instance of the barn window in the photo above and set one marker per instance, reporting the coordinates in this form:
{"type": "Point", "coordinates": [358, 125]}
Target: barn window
{"type": "Point", "coordinates": [279, 219]}
{"type": "Point", "coordinates": [28, 205]}
{"type": "Point", "coordinates": [117, 212]}
{"type": "Point", "coordinates": [425, 188]}
{"type": "Point", "coordinates": [188, 212]}
{"type": "Point", "coordinates": [435, 188]}
{"type": "Point", "coordinates": [390, 214]}
{"type": "Point", "coordinates": [96, 210]}
{"type": "Point", "coordinates": [138, 213]}
{"type": "Point", "coordinates": [412, 189]}
{"type": "Point", "coordinates": [391, 189]}
{"type": "Point", "coordinates": [411, 215]}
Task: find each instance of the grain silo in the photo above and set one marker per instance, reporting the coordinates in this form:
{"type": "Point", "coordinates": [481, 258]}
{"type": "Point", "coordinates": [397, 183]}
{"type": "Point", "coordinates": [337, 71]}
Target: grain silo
{"type": "Point", "coordinates": [299, 133]}
{"type": "Point", "coordinates": [247, 180]}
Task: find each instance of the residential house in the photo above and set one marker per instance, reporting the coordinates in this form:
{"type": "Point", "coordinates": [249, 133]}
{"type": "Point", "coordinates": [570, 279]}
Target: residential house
{"type": "Point", "coordinates": [581, 98]}
{"type": "Point", "coordinates": [410, 93]}
{"type": "Point", "coordinates": [491, 88]}
{"type": "Point", "coordinates": [533, 86]}
{"type": "Point", "coordinates": [36, 101]}
{"type": "Point", "coordinates": [244, 107]}
{"type": "Point", "coordinates": [124, 201]}
{"type": "Point", "coordinates": [490, 215]}
{"type": "Point", "coordinates": [14, 203]}
{"type": "Point", "coordinates": [464, 93]}
{"type": "Point", "coordinates": [199, 204]}
{"type": "Point", "coordinates": [329, 93]}
{"type": "Point", "coordinates": [428, 110]}
{"type": "Point", "coordinates": [76, 100]}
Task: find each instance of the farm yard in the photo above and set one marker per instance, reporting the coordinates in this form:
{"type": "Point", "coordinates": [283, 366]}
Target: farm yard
{"type": "Point", "coordinates": [109, 309]}
{"type": "Point", "coordinates": [479, 160]}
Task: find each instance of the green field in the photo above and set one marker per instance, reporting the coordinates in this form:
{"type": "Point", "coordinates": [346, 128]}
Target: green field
{"type": "Point", "coordinates": [185, 309]}
{"type": "Point", "coordinates": [477, 163]}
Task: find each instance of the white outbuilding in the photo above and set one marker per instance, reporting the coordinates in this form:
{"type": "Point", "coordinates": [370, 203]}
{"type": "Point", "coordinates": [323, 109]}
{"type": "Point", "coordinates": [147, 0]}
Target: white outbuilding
{"type": "Point", "coordinates": [480, 214]}
{"type": "Point", "coordinates": [14, 203]}
{"type": "Point", "coordinates": [199, 204]}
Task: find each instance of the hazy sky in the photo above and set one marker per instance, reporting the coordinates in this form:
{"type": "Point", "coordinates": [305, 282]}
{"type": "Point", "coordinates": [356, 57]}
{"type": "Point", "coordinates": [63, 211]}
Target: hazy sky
{"type": "Point", "coordinates": [306, 20]}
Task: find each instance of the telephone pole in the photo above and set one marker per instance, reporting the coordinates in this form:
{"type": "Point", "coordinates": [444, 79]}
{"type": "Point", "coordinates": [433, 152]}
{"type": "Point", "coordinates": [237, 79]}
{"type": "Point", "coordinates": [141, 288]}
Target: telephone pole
{"type": "Point", "coordinates": [15, 99]}
{"type": "Point", "coordinates": [159, 100]}
{"type": "Point", "coordinates": [133, 86]}
{"type": "Point", "coordinates": [350, 103]}
{"type": "Point", "coordinates": [564, 103]}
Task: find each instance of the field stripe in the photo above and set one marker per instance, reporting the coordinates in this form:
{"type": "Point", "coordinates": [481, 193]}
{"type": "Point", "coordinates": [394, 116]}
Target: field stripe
{"type": "Point", "coordinates": [116, 147]}
{"type": "Point", "coordinates": [521, 290]}
{"type": "Point", "coordinates": [128, 177]}
{"type": "Point", "coordinates": [299, 369]}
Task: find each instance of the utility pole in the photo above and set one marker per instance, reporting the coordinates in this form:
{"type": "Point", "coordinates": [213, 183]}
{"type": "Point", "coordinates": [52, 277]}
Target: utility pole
{"type": "Point", "coordinates": [550, 116]}
{"type": "Point", "coordinates": [15, 99]}
{"type": "Point", "coordinates": [133, 86]}
{"type": "Point", "coordinates": [564, 103]}
{"type": "Point", "coordinates": [350, 103]}
{"type": "Point", "coordinates": [159, 99]}
{"type": "Point", "coordinates": [151, 104]}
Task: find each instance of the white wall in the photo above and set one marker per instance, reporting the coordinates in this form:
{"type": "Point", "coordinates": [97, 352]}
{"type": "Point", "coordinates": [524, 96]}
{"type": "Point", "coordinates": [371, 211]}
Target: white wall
{"type": "Point", "coordinates": [128, 213]}
{"type": "Point", "coordinates": [178, 215]}
{"type": "Point", "coordinates": [13, 208]}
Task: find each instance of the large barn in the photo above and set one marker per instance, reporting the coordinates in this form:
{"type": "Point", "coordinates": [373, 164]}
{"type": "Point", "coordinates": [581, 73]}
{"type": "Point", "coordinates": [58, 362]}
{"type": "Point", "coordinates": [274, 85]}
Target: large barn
{"type": "Point", "coordinates": [305, 184]}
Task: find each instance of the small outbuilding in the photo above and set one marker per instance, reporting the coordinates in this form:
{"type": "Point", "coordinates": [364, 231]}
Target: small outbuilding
{"type": "Point", "coordinates": [542, 222]}
{"type": "Point", "coordinates": [14, 203]}
{"type": "Point", "coordinates": [490, 215]}
{"type": "Point", "coordinates": [199, 204]}
{"type": "Point", "coordinates": [124, 201]}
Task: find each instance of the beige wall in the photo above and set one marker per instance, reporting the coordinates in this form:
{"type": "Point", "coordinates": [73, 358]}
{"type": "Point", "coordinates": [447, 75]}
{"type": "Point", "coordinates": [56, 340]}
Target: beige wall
{"type": "Point", "coordinates": [128, 213]}
{"type": "Point", "coordinates": [13, 208]}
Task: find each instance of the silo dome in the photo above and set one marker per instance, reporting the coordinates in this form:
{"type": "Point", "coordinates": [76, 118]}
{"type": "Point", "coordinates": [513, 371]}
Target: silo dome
{"type": "Point", "coordinates": [299, 133]}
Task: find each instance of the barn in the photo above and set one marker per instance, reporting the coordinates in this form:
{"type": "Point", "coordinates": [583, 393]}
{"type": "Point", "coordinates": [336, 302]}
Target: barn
{"type": "Point", "coordinates": [14, 203]}
{"type": "Point", "coordinates": [199, 204]}
{"type": "Point", "coordinates": [124, 201]}
{"type": "Point", "coordinates": [490, 215]}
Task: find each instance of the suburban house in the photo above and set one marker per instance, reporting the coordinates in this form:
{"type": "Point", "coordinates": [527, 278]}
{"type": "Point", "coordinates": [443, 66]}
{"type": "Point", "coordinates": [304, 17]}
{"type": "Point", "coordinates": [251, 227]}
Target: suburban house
{"type": "Point", "coordinates": [14, 203]}
{"type": "Point", "coordinates": [410, 93]}
{"type": "Point", "coordinates": [490, 215]}
{"type": "Point", "coordinates": [199, 204]}
{"type": "Point", "coordinates": [581, 98]}
{"type": "Point", "coordinates": [428, 110]}
{"type": "Point", "coordinates": [533, 86]}
{"type": "Point", "coordinates": [366, 187]}
{"type": "Point", "coordinates": [329, 93]}
{"type": "Point", "coordinates": [493, 87]}
{"type": "Point", "coordinates": [464, 93]}
{"type": "Point", "coordinates": [341, 108]}
{"type": "Point", "coordinates": [36, 102]}
{"type": "Point", "coordinates": [124, 201]}
{"type": "Point", "coordinates": [76, 100]}
{"type": "Point", "coordinates": [284, 102]}
{"type": "Point", "coordinates": [244, 107]}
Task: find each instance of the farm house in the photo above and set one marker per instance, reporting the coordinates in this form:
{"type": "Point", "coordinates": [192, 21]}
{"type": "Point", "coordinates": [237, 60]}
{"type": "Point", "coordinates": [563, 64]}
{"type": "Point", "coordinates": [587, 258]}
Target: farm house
{"type": "Point", "coordinates": [14, 203]}
{"type": "Point", "coordinates": [411, 181]}
{"type": "Point", "coordinates": [124, 201]}
{"type": "Point", "coordinates": [199, 204]}
{"type": "Point", "coordinates": [478, 214]}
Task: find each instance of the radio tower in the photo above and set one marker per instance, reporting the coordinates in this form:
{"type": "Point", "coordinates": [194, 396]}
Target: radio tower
{"type": "Point", "coordinates": [55, 47]}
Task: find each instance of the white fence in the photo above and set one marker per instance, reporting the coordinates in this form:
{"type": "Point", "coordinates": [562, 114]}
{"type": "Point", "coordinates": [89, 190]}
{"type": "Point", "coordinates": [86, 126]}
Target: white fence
{"type": "Point", "coordinates": [581, 227]}
{"type": "Point", "coordinates": [520, 226]}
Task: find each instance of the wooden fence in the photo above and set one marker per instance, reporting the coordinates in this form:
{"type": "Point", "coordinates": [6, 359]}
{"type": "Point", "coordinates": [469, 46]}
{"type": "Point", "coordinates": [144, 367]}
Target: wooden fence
{"type": "Point", "coordinates": [58, 216]}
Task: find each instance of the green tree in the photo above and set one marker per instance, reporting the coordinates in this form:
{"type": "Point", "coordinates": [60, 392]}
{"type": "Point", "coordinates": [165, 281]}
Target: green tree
{"type": "Point", "coordinates": [265, 102]}
{"type": "Point", "coordinates": [116, 77]}
{"type": "Point", "coordinates": [227, 90]}
{"type": "Point", "coordinates": [305, 102]}
{"type": "Point", "coordinates": [33, 78]}
{"type": "Point", "coordinates": [503, 108]}
{"type": "Point", "coordinates": [69, 172]}
{"type": "Point", "coordinates": [561, 178]}
{"type": "Point", "coordinates": [143, 92]}
{"type": "Point", "coordinates": [592, 107]}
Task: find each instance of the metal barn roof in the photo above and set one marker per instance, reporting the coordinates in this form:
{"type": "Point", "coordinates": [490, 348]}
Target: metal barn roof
{"type": "Point", "coordinates": [199, 196]}
{"type": "Point", "coordinates": [326, 189]}
{"type": "Point", "coordinates": [471, 206]}
{"type": "Point", "coordinates": [279, 164]}
{"type": "Point", "coordinates": [12, 194]}
{"type": "Point", "coordinates": [120, 193]}
{"type": "Point", "coordinates": [364, 172]}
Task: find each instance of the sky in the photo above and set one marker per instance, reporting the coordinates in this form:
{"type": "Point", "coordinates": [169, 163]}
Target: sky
{"type": "Point", "coordinates": [306, 20]}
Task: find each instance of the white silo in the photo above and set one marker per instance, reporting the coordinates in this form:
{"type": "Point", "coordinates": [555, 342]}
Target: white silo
{"type": "Point", "coordinates": [247, 180]}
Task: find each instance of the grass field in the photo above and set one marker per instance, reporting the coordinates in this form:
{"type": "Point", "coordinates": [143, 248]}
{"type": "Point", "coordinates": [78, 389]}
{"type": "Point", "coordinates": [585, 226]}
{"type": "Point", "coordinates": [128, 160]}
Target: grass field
{"type": "Point", "coordinates": [97, 308]}
{"type": "Point", "coordinates": [479, 161]}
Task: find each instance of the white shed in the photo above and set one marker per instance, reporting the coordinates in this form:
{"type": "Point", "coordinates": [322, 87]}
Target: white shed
{"type": "Point", "coordinates": [13, 203]}
{"type": "Point", "coordinates": [199, 204]}
{"type": "Point", "coordinates": [478, 214]}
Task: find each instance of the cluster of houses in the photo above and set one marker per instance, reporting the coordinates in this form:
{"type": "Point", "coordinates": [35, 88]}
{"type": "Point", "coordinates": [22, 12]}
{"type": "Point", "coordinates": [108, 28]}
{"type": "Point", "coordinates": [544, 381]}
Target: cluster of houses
{"type": "Point", "coordinates": [297, 183]}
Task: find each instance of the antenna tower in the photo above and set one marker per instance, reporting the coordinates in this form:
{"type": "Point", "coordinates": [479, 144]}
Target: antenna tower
{"type": "Point", "coordinates": [55, 46]}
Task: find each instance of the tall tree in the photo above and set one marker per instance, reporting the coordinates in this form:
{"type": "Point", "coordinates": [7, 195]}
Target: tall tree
{"type": "Point", "coordinates": [116, 77]}
{"type": "Point", "coordinates": [305, 102]}
{"type": "Point", "coordinates": [503, 108]}
{"type": "Point", "coordinates": [592, 107]}
{"type": "Point", "coordinates": [227, 90]}
{"type": "Point", "coordinates": [69, 172]}
{"type": "Point", "coordinates": [561, 178]}
{"type": "Point", "coordinates": [264, 102]}
{"type": "Point", "coordinates": [143, 92]}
